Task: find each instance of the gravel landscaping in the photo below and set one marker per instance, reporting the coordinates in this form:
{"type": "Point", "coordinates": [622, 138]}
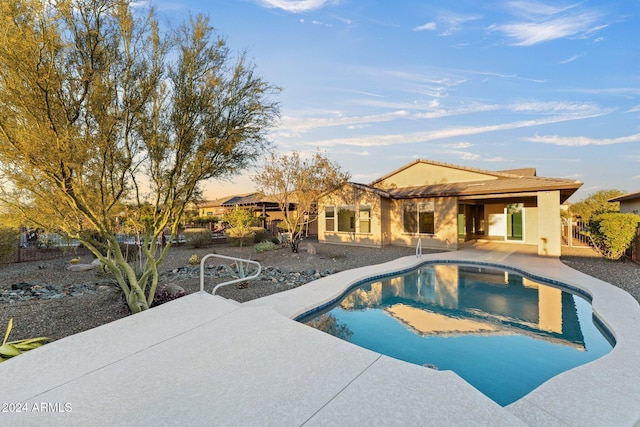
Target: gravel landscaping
{"type": "Point", "coordinates": [47, 299]}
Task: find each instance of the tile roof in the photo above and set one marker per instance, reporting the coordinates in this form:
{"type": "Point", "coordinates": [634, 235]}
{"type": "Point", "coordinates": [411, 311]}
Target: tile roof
{"type": "Point", "coordinates": [628, 196]}
{"type": "Point", "coordinates": [499, 174]}
{"type": "Point", "coordinates": [486, 187]}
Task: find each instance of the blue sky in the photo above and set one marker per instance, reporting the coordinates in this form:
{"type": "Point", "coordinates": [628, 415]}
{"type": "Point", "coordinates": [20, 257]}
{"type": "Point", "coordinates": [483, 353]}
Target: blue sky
{"type": "Point", "coordinates": [492, 84]}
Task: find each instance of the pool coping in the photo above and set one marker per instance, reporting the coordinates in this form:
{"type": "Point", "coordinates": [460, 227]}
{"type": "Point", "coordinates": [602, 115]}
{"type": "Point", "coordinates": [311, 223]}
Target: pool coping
{"type": "Point", "coordinates": [602, 392]}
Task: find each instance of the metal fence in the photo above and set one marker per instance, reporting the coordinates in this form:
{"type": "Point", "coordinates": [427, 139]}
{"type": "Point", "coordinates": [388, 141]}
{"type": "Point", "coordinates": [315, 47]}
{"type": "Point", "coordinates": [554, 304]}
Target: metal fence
{"type": "Point", "coordinates": [574, 233]}
{"type": "Point", "coordinates": [35, 253]}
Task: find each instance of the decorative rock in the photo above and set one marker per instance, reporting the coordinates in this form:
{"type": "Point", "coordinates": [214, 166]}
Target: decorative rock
{"type": "Point", "coordinates": [311, 249]}
{"type": "Point", "coordinates": [172, 289]}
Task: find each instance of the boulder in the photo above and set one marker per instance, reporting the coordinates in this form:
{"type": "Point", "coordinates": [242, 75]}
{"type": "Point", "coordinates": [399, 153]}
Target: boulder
{"type": "Point", "coordinates": [172, 290]}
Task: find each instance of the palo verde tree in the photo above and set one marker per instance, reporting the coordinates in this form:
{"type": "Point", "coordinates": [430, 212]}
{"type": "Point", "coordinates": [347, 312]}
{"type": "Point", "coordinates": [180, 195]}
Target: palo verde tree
{"type": "Point", "coordinates": [292, 179]}
{"type": "Point", "coordinates": [102, 111]}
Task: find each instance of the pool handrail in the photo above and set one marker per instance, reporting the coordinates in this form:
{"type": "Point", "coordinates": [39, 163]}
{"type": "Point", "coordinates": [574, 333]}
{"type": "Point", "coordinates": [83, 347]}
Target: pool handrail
{"type": "Point", "coordinates": [241, 279]}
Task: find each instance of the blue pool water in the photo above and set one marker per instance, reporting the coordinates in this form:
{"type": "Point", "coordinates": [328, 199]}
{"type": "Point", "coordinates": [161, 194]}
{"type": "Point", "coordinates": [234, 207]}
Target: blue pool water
{"type": "Point", "coordinates": [500, 331]}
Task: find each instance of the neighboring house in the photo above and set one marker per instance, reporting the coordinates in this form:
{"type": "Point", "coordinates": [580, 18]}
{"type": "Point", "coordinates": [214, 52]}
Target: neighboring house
{"type": "Point", "coordinates": [442, 205]}
{"type": "Point", "coordinates": [213, 208]}
{"type": "Point", "coordinates": [629, 203]}
{"type": "Point", "coordinates": [259, 204]}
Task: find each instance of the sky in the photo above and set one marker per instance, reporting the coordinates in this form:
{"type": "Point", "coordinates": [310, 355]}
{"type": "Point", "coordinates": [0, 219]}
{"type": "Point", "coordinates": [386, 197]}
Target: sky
{"type": "Point", "coordinates": [493, 85]}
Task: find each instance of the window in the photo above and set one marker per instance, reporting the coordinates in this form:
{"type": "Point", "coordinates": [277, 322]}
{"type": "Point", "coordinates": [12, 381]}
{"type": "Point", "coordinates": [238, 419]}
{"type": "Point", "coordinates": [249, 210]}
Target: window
{"type": "Point", "coordinates": [426, 219]}
{"type": "Point", "coordinates": [330, 218]}
{"type": "Point", "coordinates": [365, 219]}
{"type": "Point", "coordinates": [347, 218]}
{"type": "Point", "coordinates": [418, 217]}
{"type": "Point", "coordinates": [410, 216]}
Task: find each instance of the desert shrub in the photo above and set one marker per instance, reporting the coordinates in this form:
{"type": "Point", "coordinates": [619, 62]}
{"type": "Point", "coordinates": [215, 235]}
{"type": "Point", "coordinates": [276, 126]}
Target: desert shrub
{"type": "Point", "coordinates": [260, 234]}
{"type": "Point", "coordinates": [194, 259]}
{"type": "Point", "coordinates": [197, 237]}
{"type": "Point", "coordinates": [8, 243]}
{"type": "Point", "coordinates": [613, 233]}
{"type": "Point", "coordinates": [264, 246]}
{"type": "Point", "coordinates": [238, 236]}
{"type": "Point", "coordinates": [275, 240]}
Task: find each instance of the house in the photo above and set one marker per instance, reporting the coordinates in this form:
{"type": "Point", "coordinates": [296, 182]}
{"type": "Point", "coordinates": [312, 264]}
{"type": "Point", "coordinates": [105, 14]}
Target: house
{"type": "Point", "coordinates": [442, 205]}
{"type": "Point", "coordinates": [262, 206]}
{"type": "Point", "coordinates": [629, 203]}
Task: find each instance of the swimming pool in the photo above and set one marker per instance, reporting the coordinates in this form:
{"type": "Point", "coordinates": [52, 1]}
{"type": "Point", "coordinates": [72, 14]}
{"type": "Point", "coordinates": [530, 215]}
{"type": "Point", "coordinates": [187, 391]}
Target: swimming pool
{"type": "Point", "coordinates": [501, 331]}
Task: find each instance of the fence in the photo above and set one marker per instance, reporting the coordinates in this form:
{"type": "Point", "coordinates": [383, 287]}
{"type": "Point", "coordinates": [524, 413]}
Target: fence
{"type": "Point", "coordinates": [634, 251]}
{"type": "Point", "coordinates": [573, 233]}
{"type": "Point", "coordinates": [35, 253]}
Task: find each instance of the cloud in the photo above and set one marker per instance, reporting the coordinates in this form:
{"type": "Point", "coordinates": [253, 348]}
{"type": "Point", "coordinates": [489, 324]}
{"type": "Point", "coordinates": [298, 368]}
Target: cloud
{"type": "Point", "coordinates": [544, 23]}
{"type": "Point", "coordinates": [582, 141]}
{"type": "Point", "coordinates": [568, 60]}
{"type": "Point", "coordinates": [431, 26]}
{"type": "Point", "coordinates": [557, 107]}
{"type": "Point", "coordinates": [304, 124]}
{"type": "Point", "coordinates": [418, 137]}
{"type": "Point", "coordinates": [453, 22]}
{"type": "Point", "coordinates": [434, 110]}
{"type": "Point", "coordinates": [296, 6]}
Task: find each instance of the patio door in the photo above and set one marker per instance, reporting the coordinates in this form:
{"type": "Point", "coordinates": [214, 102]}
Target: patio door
{"type": "Point", "coordinates": [471, 222]}
{"type": "Point", "coordinates": [515, 221]}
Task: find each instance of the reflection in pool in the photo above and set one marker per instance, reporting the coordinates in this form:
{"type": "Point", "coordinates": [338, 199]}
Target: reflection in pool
{"type": "Point", "coordinates": [503, 333]}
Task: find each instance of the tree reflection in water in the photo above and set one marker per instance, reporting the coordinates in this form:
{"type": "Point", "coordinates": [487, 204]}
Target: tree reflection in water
{"type": "Point", "coordinates": [329, 324]}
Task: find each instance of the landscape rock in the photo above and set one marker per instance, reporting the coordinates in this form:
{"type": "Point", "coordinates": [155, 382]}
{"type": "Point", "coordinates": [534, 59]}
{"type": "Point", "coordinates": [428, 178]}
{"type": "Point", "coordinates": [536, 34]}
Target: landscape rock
{"type": "Point", "coordinates": [311, 249]}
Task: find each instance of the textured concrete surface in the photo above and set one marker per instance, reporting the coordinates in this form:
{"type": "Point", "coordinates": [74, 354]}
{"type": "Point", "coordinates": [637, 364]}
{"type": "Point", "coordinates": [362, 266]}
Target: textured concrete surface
{"type": "Point", "coordinates": [204, 360]}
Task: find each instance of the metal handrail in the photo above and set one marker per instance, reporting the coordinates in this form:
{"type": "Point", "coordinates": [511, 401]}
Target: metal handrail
{"type": "Point", "coordinates": [419, 249]}
{"type": "Point", "coordinates": [241, 279]}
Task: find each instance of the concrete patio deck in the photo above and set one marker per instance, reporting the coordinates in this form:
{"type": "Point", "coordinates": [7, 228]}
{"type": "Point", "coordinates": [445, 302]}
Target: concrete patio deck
{"type": "Point", "coordinates": [204, 360]}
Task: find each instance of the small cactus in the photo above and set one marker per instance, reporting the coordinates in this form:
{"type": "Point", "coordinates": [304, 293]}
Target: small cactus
{"type": "Point", "coordinates": [194, 259]}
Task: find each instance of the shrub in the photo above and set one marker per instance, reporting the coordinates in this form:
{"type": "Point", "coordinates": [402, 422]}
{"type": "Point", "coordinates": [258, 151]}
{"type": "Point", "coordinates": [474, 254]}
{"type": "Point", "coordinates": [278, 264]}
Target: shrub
{"type": "Point", "coordinates": [264, 246]}
{"type": "Point", "coordinates": [8, 243]}
{"type": "Point", "coordinates": [613, 233]}
{"type": "Point", "coordinates": [194, 259]}
{"type": "Point", "coordinates": [260, 234]}
{"type": "Point", "coordinates": [197, 237]}
{"type": "Point", "coordinates": [237, 236]}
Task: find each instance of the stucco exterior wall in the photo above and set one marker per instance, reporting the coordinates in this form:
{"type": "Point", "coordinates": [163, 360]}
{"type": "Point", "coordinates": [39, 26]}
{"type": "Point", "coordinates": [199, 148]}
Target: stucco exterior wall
{"type": "Point", "coordinates": [549, 243]}
{"type": "Point", "coordinates": [374, 238]}
{"type": "Point", "coordinates": [531, 225]}
{"type": "Point", "coordinates": [426, 174]}
{"type": "Point", "coordinates": [630, 206]}
{"type": "Point", "coordinates": [445, 220]}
